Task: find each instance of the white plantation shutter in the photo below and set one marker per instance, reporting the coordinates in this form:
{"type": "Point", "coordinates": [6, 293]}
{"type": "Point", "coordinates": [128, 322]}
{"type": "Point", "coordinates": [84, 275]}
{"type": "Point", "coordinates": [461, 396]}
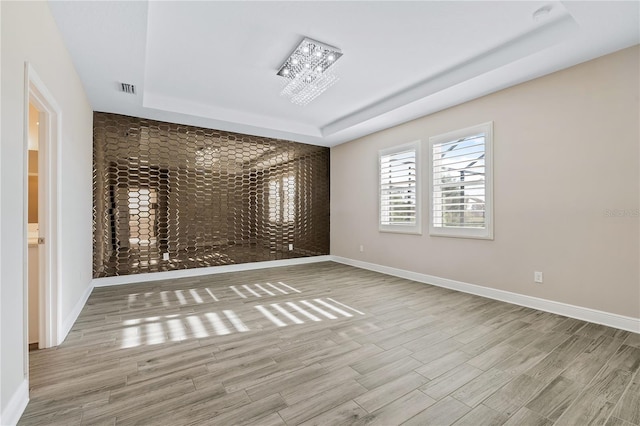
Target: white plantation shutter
{"type": "Point", "coordinates": [399, 206]}
{"type": "Point", "coordinates": [398, 188]}
{"type": "Point", "coordinates": [459, 183]}
{"type": "Point", "coordinates": [460, 189]}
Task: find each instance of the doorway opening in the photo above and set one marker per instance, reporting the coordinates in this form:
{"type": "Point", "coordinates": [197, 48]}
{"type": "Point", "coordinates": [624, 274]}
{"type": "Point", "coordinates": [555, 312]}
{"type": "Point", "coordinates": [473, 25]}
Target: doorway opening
{"type": "Point", "coordinates": [42, 319]}
{"type": "Point", "coordinates": [33, 235]}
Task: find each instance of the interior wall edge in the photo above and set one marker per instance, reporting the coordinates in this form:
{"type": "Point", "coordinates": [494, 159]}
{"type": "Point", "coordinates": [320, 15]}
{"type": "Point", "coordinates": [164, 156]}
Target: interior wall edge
{"type": "Point", "coordinates": [67, 323]}
{"type": "Point", "coordinates": [29, 34]}
{"type": "Point", "coordinates": [16, 405]}
{"type": "Point", "coordinates": [0, 223]}
{"type": "Point", "coordinates": [196, 272]}
{"type": "Point", "coordinates": [572, 311]}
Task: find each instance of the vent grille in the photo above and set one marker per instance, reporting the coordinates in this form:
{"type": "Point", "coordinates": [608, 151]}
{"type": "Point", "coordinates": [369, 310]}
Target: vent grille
{"type": "Point", "coordinates": [128, 88]}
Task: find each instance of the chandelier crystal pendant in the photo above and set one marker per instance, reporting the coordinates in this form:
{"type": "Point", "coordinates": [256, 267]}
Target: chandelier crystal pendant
{"type": "Point", "coordinates": [309, 71]}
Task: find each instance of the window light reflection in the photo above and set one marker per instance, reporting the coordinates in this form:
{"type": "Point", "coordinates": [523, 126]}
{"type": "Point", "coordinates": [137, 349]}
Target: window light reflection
{"type": "Point", "coordinates": [318, 310]}
{"type": "Point", "coordinates": [165, 298]}
{"type": "Point", "coordinates": [176, 330]}
{"type": "Point", "coordinates": [217, 324]}
{"type": "Point", "coordinates": [246, 287]}
{"type": "Point", "coordinates": [180, 297]}
{"type": "Point", "coordinates": [270, 316]}
{"type": "Point", "coordinates": [215, 299]}
{"type": "Point", "coordinates": [277, 288]}
{"type": "Point", "coordinates": [236, 321]}
{"type": "Point", "coordinates": [197, 327]}
{"type": "Point", "coordinates": [176, 327]}
{"type": "Point", "coordinates": [292, 317]}
{"type": "Point", "coordinates": [195, 296]}
{"type": "Point", "coordinates": [154, 333]}
{"type": "Point", "coordinates": [232, 287]}
{"type": "Point", "coordinates": [333, 308]}
{"type": "Point", "coordinates": [265, 290]}
{"type": "Point", "coordinates": [179, 326]}
{"type": "Point", "coordinates": [130, 337]}
{"type": "Point", "coordinates": [303, 312]}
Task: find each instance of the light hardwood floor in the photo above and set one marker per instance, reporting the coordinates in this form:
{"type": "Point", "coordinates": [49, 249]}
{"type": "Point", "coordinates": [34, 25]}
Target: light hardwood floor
{"type": "Point", "coordinates": [328, 344]}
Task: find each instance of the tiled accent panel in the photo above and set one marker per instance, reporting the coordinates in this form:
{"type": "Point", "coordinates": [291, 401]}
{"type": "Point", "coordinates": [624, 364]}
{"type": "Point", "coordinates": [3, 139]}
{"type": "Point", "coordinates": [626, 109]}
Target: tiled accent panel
{"type": "Point", "coordinates": [205, 197]}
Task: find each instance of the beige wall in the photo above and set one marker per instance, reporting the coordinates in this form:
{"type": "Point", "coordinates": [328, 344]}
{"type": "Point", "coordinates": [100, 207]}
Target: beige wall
{"type": "Point", "coordinates": [29, 33]}
{"type": "Point", "coordinates": [566, 152]}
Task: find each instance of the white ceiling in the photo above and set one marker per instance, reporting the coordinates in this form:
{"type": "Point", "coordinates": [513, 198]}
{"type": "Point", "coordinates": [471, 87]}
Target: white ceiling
{"type": "Point", "coordinates": [213, 63]}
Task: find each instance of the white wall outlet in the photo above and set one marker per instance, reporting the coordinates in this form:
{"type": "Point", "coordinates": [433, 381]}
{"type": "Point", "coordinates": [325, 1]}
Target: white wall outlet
{"type": "Point", "coordinates": [165, 256]}
{"type": "Point", "coordinates": [361, 248]}
{"type": "Point", "coordinates": [290, 247]}
{"type": "Point", "coordinates": [537, 277]}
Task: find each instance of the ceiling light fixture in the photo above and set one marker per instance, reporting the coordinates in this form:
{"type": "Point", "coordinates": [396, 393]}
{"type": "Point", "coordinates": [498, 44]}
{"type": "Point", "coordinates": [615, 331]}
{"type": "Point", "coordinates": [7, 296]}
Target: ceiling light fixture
{"type": "Point", "coordinates": [309, 71]}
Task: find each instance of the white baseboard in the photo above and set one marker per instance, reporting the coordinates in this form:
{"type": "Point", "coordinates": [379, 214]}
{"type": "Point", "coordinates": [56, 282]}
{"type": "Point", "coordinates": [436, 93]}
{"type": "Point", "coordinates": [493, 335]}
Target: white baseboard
{"type": "Point", "coordinates": [578, 312]}
{"type": "Point", "coordinates": [16, 405]}
{"type": "Point", "coordinates": [68, 322]}
{"type": "Point", "coordinates": [196, 272]}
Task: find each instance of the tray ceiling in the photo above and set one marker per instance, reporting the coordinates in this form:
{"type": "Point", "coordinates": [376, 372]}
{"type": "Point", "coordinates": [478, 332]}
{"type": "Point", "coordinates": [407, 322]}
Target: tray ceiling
{"type": "Point", "coordinates": [214, 64]}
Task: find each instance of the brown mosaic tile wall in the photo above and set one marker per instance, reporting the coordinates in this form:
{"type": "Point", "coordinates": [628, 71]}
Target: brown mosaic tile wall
{"type": "Point", "coordinates": [205, 197]}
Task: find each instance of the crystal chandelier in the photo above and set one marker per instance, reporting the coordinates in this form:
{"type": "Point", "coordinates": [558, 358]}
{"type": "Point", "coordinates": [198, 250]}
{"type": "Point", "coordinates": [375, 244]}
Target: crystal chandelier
{"type": "Point", "coordinates": [309, 71]}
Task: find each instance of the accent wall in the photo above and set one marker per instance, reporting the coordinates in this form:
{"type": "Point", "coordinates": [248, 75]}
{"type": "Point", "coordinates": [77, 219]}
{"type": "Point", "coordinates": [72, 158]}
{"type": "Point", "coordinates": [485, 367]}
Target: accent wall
{"type": "Point", "coordinates": [171, 197]}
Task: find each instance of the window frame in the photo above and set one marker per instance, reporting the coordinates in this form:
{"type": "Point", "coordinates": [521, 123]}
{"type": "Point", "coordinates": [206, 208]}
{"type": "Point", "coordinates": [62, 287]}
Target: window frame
{"type": "Point", "coordinates": [485, 233]}
{"type": "Point", "coordinates": [415, 229]}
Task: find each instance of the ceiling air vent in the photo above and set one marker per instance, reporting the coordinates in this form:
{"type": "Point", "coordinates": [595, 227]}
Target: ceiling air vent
{"type": "Point", "coordinates": [128, 88]}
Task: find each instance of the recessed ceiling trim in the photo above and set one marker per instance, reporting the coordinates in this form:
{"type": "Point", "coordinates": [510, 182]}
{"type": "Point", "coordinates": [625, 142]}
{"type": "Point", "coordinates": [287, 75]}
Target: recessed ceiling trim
{"type": "Point", "coordinates": [184, 106]}
{"type": "Point", "coordinates": [542, 37]}
{"type": "Point", "coordinates": [233, 87]}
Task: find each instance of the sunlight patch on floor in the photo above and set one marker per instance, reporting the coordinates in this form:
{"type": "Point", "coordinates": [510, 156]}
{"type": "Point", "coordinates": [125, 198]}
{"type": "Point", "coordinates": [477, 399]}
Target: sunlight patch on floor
{"type": "Point", "coordinates": [279, 315]}
{"type": "Point", "coordinates": [181, 326]}
{"type": "Point", "coordinates": [177, 327]}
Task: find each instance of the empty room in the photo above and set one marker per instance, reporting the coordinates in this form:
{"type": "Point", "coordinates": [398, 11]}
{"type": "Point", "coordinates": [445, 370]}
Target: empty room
{"type": "Point", "coordinates": [320, 213]}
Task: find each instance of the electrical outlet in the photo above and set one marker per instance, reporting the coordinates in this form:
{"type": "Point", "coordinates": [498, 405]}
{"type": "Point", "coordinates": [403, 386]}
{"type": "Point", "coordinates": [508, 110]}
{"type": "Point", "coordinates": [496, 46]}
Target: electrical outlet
{"type": "Point", "coordinates": [165, 256]}
{"type": "Point", "coordinates": [290, 247]}
{"type": "Point", "coordinates": [361, 248]}
{"type": "Point", "coordinates": [537, 277]}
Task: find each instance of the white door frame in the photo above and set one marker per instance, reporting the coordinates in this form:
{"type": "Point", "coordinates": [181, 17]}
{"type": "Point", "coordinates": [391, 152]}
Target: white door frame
{"type": "Point", "coordinates": [50, 136]}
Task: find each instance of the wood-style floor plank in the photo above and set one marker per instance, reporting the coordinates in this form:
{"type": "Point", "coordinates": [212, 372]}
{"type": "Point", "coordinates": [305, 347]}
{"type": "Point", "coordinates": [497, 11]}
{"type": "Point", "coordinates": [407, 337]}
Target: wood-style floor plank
{"type": "Point", "coordinates": [449, 382]}
{"type": "Point", "coordinates": [514, 395]}
{"type": "Point", "coordinates": [399, 410]}
{"type": "Point", "coordinates": [445, 412]}
{"type": "Point", "coordinates": [555, 398]}
{"type": "Point", "coordinates": [348, 347]}
{"type": "Point", "coordinates": [628, 408]}
{"type": "Point", "coordinates": [390, 391]}
{"type": "Point", "coordinates": [443, 365]}
{"type": "Point", "coordinates": [526, 417]}
{"type": "Point", "coordinates": [346, 414]}
{"type": "Point", "coordinates": [482, 415]}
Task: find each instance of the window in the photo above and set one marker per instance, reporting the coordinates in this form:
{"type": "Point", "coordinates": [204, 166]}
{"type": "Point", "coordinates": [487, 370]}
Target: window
{"type": "Point", "coordinates": [282, 199]}
{"type": "Point", "coordinates": [143, 203]}
{"type": "Point", "coordinates": [399, 189]}
{"type": "Point", "coordinates": [460, 168]}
